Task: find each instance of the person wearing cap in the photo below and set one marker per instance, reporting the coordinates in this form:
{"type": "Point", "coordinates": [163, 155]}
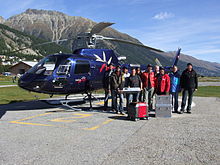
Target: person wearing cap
{"type": "Point", "coordinates": [148, 80]}
{"type": "Point", "coordinates": [175, 87]}
{"type": "Point", "coordinates": [162, 83]}
{"type": "Point", "coordinates": [189, 84]}
{"type": "Point", "coordinates": [106, 84]}
{"type": "Point", "coordinates": [116, 85]}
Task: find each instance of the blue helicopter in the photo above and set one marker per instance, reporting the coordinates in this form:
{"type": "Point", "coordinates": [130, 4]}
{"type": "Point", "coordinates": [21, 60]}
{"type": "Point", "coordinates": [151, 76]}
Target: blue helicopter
{"type": "Point", "coordinates": [80, 72]}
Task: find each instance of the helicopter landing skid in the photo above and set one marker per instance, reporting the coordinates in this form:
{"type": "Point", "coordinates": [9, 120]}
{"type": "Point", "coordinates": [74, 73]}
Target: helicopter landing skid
{"type": "Point", "coordinates": [90, 97]}
{"type": "Point", "coordinates": [65, 103]}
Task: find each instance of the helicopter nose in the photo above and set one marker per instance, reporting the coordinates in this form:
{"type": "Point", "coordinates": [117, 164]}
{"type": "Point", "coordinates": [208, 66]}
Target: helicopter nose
{"type": "Point", "coordinates": [25, 82]}
{"type": "Point", "coordinates": [22, 83]}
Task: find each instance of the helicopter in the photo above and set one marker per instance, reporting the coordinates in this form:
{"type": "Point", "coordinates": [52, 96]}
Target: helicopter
{"type": "Point", "coordinates": [79, 72]}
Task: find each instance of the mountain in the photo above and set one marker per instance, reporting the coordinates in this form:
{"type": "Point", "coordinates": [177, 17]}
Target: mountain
{"type": "Point", "coordinates": [11, 40]}
{"type": "Point", "coordinates": [2, 20]}
{"type": "Point", "coordinates": [53, 25]}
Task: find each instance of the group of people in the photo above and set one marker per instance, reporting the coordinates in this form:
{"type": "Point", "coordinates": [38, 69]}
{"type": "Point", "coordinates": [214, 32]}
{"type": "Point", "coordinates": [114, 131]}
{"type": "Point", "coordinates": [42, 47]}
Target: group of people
{"type": "Point", "coordinates": [150, 82]}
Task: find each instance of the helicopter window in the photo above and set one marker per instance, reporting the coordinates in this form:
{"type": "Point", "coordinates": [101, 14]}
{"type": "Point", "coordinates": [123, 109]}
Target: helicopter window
{"type": "Point", "coordinates": [82, 67]}
{"type": "Point", "coordinates": [48, 63]}
{"type": "Point", "coordinates": [65, 68]}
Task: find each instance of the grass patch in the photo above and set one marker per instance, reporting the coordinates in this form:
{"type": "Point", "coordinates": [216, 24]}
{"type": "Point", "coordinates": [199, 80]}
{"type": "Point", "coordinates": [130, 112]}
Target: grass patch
{"type": "Point", "coordinates": [16, 94]}
{"type": "Point", "coordinates": [100, 91]}
{"type": "Point", "coordinates": [7, 83]}
{"type": "Point", "coordinates": [5, 78]}
{"type": "Point", "coordinates": [208, 91]}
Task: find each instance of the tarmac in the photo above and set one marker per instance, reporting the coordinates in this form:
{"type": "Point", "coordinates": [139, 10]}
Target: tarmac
{"type": "Point", "coordinates": [38, 133]}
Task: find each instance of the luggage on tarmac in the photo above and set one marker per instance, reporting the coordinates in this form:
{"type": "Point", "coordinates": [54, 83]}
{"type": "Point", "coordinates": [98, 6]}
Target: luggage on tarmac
{"type": "Point", "coordinates": [163, 106]}
{"type": "Point", "coordinates": [163, 110]}
{"type": "Point", "coordinates": [163, 99]}
{"type": "Point", "coordinates": [137, 110]}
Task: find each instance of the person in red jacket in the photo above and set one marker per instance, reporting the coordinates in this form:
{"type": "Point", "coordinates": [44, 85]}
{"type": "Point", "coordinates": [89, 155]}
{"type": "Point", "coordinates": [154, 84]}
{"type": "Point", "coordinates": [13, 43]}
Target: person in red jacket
{"type": "Point", "coordinates": [162, 83]}
{"type": "Point", "coordinates": [148, 80]}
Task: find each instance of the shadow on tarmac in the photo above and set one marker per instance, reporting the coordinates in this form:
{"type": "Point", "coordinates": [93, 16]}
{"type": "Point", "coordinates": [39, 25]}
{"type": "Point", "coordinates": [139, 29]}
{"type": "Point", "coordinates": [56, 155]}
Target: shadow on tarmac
{"type": "Point", "coordinates": [24, 106]}
{"type": "Point", "coordinates": [124, 117]}
{"type": "Point", "coordinates": [44, 104]}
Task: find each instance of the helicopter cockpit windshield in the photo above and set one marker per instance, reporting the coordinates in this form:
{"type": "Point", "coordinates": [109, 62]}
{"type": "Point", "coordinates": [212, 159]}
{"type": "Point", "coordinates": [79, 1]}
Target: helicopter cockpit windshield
{"type": "Point", "coordinates": [45, 66]}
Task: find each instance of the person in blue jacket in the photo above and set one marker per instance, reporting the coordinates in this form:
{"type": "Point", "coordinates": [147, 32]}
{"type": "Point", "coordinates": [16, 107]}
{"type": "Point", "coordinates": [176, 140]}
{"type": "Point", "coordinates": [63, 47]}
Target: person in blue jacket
{"type": "Point", "coordinates": [175, 87]}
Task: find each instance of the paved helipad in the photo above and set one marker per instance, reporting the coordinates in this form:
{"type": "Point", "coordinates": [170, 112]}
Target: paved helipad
{"type": "Point", "coordinates": [38, 133]}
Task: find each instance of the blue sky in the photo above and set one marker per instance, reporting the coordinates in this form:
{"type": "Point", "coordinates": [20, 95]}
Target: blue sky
{"type": "Point", "coordinates": [165, 24]}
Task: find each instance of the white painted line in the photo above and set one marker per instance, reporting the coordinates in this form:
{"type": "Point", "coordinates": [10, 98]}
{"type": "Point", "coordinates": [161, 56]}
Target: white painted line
{"type": "Point", "coordinates": [3, 86]}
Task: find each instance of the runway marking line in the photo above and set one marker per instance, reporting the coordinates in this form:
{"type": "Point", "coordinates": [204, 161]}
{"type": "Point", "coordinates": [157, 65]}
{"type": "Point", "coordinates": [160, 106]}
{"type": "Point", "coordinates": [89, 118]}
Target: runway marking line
{"type": "Point", "coordinates": [98, 126]}
{"type": "Point", "coordinates": [31, 117]}
{"type": "Point", "coordinates": [78, 116]}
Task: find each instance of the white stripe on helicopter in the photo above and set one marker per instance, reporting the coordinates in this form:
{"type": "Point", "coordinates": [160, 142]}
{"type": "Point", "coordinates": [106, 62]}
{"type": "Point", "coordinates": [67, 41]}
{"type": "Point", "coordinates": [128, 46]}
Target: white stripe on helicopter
{"type": "Point", "coordinates": [104, 58]}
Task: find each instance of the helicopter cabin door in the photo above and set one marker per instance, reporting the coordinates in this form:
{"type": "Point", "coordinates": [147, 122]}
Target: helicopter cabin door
{"type": "Point", "coordinates": [82, 75]}
{"type": "Point", "coordinates": [63, 75]}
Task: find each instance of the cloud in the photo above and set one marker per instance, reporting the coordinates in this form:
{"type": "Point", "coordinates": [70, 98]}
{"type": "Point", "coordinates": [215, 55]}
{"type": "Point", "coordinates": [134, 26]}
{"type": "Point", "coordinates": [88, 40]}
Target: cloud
{"type": "Point", "coordinates": [163, 16]}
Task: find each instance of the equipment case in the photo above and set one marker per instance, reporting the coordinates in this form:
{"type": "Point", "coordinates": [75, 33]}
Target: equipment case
{"type": "Point", "coordinates": [163, 99]}
{"type": "Point", "coordinates": [163, 110]}
{"type": "Point", "coordinates": [163, 106]}
{"type": "Point", "coordinates": [137, 110]}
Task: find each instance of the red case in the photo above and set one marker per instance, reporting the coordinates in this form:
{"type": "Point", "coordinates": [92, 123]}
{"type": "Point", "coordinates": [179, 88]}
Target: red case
{"type": "Point", "coordinates": [137, 110]}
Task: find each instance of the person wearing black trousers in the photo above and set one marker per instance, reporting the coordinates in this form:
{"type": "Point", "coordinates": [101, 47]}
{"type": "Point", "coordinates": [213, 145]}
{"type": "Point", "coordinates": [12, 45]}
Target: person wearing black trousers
{"type": "Point", "coordinates": [106, 84]}
{"type": "Point", "coordinates": [189, 84]}
{"type": "Point", "coordinates": [175, 87]}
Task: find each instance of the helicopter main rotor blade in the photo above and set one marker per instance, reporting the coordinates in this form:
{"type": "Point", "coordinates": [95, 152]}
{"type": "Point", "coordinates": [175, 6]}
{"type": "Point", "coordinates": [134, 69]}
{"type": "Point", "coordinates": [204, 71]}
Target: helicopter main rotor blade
{"type": "Point", "coordinates": [158, 62]}
{"type": "Point", "coordinates": [99, 27]}
{"type": "Point", "coordinates": [130, 42]}
{"type": "Point", "coordinates": [45, 43]}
